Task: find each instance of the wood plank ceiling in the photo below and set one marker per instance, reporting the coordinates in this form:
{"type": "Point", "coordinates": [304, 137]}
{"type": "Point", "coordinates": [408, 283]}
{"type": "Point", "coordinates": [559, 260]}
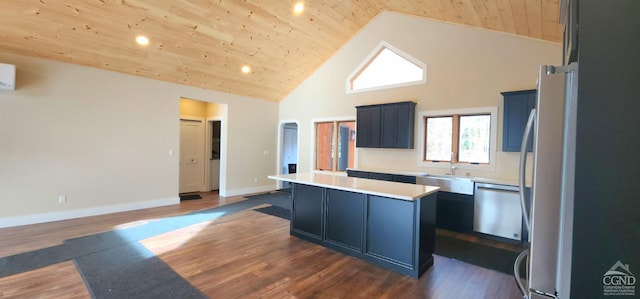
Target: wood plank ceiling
{"type": "Point", "coordinates": [205, 43]}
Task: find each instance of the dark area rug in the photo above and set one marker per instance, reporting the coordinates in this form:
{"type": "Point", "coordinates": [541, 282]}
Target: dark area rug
{"type": "Point", "coordinates": [493, 258]}
{"type": "Point", "coordinates": [132, 271]}
{"type": "Point", "coordinates": [190, 197]}
{"type": "Point", "coordinates": [279, 198]}
{"type": "Point", "coordinates": [33, 260]}
{"type": "Point", "coordinates": [275, 211]}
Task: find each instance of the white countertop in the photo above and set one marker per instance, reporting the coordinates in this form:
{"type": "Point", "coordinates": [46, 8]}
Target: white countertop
{"type": "Point", "coordinates": [389, 171]}
{"type": "Point", "coordinates": [402, 191]}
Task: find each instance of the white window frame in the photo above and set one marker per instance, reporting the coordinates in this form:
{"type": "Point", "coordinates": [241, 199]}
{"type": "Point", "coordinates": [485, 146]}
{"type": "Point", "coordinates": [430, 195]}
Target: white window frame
{"type": "Point", "coordinates": [312, 152]}
{"type": "Point", "coordinates": [493, 111]}
{"type": "Point", "coordinates": [372, 55]}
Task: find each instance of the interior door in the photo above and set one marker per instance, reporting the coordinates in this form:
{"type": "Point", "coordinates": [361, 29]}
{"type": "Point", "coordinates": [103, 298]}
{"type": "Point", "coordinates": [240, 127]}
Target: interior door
{"type": "Point", "coordinates": [191, 155]}
{"type": "Point", "coordinates": [290, 147]}
{"type": "Point", "coordinates": [216, 127]}
{"type": "Point", "coordinates": [289, 150]}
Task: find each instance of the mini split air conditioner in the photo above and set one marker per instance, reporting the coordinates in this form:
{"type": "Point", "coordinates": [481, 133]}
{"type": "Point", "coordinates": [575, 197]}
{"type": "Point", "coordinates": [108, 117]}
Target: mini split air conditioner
{"type": "Point", "coordinates": [7, 76]}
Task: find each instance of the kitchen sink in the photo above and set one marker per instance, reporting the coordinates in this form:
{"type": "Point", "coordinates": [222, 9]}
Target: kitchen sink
{"type": "Point", "coordinates": [448, 183]}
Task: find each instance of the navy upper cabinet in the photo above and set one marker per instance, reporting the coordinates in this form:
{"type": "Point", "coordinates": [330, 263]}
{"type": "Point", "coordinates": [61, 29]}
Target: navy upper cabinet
{"type": "Point", "coordinates": [368, 126]}
{"type": "Point", "coordinates": [386, 125]}
{"type": "Point", "coordinates": [517, 106]}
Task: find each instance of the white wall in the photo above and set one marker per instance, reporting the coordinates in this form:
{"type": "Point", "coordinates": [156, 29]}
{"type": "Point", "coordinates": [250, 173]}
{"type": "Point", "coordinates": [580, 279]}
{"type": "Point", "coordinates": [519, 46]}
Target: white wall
{"type": "Point", "coordinates": [466, 67]}
{"type": "Point", "coordinates": [103, 138]}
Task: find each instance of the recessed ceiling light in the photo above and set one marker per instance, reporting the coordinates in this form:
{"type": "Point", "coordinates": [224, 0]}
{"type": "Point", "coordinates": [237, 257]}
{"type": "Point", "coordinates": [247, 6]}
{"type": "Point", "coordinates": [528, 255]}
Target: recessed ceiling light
{"type": "Point", "coordinates": [246, 69]}
{"type": "Point", "coordinates": [142, 40]}
{"type": "Point", "coordinates": [298, 8]}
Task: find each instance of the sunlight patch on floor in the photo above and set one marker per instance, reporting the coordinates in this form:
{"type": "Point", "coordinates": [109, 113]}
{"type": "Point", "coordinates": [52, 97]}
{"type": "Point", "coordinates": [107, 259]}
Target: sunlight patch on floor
{"type": "Point", "coordinates": [169, 241]}
{"type": "Point", "coordinates": [133, 224]}
{"type": "Point", "coordinates": [164, 245]}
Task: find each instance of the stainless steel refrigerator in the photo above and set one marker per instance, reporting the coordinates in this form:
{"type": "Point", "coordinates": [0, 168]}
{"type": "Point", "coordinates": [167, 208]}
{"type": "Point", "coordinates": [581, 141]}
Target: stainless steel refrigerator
{"type": "Point", "coordinates": [549, 219]}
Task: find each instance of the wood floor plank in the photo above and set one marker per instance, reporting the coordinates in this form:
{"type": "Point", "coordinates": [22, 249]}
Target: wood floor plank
{"type": "Point", "coordinates": [56, 281]}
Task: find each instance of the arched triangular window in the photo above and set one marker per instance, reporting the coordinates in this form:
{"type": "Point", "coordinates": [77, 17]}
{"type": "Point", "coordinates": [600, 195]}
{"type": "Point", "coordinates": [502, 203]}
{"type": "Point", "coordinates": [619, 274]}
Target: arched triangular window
{"type": "Point", "coordinates": [387, 67]}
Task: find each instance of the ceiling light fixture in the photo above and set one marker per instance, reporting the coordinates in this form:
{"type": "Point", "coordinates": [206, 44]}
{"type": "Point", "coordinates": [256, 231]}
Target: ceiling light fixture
{"type": "Point", "coordinates": [298, 8]}
{"type": "Point", "coordinates": [142, 40]}
{"type": "Point", "coordinates": [246, 69]}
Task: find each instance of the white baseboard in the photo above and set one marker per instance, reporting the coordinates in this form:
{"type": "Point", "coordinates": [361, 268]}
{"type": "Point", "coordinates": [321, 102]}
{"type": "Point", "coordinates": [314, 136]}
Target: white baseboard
{"type": "Point", "coordinates": [79, 213]}
{"type": "Point", "coordinates": [236, 192]}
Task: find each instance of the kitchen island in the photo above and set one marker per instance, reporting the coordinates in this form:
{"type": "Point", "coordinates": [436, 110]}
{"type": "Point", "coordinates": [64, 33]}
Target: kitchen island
{"type": "Point", "coordinates": [389, 224]}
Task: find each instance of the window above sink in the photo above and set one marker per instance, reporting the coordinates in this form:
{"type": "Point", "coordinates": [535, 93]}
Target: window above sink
{"type": "Point", "coordinates": [463, 138]}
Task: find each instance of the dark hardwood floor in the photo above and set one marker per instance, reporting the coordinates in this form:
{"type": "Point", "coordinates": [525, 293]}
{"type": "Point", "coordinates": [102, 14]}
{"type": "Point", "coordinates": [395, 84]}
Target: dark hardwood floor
{"type": "Point", "coordinates": [245, 255]}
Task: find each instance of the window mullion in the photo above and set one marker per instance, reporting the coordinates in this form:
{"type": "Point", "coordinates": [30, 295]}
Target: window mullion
{"type": "Point", "coordinates": [317, 147]}
{"type": "Point", "coordinates": [334, 148]}
{"type": "Point", "coordinates": [455, 138]}
{"type": "Point", "coordinates": [424, 143]}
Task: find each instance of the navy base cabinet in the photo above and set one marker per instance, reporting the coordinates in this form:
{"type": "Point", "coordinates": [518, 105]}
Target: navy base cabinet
{"type": "Point", "coordinates": [455, 212]}
{"type": "Point", "coordinates": [345, 219]}
{"type": "Point", "coordinates": [399, 178]}
{"type": "Point", "coordinates": [390, 235]}
{"type": "Point", "coordinates": [308, 210]}
{"type": "Point", "coordinates": [358, 174]}
{"type": "Point", "coordinates": [395, 234]}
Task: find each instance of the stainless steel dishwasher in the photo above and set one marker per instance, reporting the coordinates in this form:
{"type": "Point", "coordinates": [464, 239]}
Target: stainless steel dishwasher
{"type": "Point", "coordinates": [497, 211]}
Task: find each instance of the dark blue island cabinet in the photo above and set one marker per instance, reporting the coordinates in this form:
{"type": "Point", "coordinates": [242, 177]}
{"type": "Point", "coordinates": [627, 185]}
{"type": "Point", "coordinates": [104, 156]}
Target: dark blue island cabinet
{"type": "Point", "coordinates": [392, 233]}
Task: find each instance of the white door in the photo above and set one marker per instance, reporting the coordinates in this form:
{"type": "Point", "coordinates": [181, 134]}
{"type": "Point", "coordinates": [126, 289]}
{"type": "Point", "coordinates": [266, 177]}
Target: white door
{"type": "Point", "coordinates": [191, 155]}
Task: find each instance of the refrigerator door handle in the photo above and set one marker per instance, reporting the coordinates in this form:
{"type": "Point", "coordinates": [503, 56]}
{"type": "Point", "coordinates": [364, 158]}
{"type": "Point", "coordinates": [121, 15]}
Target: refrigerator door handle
{"type": "Point", "coordinates": [516, 272]}
{"type": "Point", "coordinates": [523, 167]}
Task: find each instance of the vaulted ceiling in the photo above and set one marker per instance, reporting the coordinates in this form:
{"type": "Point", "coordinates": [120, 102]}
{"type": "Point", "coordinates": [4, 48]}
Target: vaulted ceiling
{"type": "Point", "coordinates": [205, 43]}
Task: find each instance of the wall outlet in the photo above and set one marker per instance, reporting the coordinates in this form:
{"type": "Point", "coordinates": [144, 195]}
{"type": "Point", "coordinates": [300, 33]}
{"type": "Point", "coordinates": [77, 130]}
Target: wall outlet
{"type": "Point", "coordinates": [62, 199]}
{"type": "Point", "coordinates": [255, 180]}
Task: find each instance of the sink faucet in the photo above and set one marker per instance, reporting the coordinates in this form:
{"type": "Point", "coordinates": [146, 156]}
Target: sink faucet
{"type": "Point", "coordinates": [452, 167]}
